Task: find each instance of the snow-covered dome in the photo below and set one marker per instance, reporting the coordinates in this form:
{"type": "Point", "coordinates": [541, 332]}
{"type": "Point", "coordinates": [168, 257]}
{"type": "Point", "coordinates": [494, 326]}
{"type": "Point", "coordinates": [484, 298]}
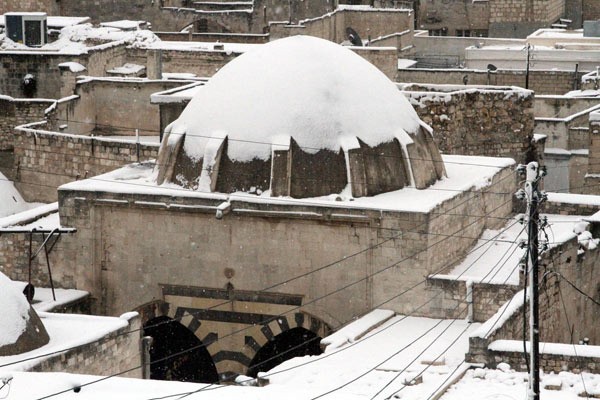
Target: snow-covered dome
{"type": "Point", "coordinates": [21, 329]}
{"type": "Point", "coordinates": [303, 117]}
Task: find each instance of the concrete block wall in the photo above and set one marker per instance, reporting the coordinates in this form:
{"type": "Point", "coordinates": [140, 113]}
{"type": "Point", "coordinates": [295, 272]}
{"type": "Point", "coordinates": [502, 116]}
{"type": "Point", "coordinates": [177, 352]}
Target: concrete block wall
{"type": "Point", "coordinates": [44, 160]}
{"type": "Point", "coordinates": [114, 353]}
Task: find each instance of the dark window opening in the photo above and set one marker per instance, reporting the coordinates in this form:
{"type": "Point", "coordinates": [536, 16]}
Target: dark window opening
{"type": "Point", "coordinates": [296, 342]}
{"type": "Point", "coordinates": [170, 337]}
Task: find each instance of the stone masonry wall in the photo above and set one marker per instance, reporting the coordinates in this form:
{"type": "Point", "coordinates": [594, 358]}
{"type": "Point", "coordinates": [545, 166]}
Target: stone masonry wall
{"type": "Point", "coordinates": [540, 81]}
{"type": "Point", "coordinates": [14, 250]}
{"type": "Point", "coordinates": [276, 246]}
{"type": "Point", "coordinates": [48, 6]}
{"type": "Point", "coordinates": [592, 179]}
{"type": "Point", "coordinates": [558, 323]}
{"type": "Point", "coordinates": [548, 362]}
{"type": "Point", "coordinates": [453, 15]}
{"type": "Point", "coordinates": [44, 161]}
{"type": "Point", "coordinates": [497, 123]}
{"type": "Point", "coordinates": [114, 353]}
{"type": "Point", "coordinates": [591, 10]}
{"type": "Point", "coordinates": [15, 112]}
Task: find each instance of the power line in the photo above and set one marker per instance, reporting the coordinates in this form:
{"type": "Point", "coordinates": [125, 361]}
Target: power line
{"type": "Point", "coordinates": [269, 319]}
{"type": "Point", "coordinates": [469, 292]}
{"type": "Point", "coordinates": [291, 279]}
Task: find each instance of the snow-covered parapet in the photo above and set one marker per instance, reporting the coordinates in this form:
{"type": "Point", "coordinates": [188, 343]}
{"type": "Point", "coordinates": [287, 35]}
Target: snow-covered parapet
{"type": "Point", "coordinates": [355, 330]}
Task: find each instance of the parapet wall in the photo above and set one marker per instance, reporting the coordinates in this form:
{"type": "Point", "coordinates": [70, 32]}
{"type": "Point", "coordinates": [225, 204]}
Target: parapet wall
{"type": "Point", "coordinates": [114, 353]}
{"type": "Point", "coordinates": [44, 160]}
{"type": "Point", "coordinates": [540, 81]}
{"type": "Point", "coordinates": [14, 112]}
{"type": "Point", "coordinates": [496, 121]}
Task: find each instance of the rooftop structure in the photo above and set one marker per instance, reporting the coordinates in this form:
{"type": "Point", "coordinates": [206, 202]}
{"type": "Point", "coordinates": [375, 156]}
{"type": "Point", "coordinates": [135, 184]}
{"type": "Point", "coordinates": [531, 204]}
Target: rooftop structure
{"type": "Point", "coordinates": [311, 117]}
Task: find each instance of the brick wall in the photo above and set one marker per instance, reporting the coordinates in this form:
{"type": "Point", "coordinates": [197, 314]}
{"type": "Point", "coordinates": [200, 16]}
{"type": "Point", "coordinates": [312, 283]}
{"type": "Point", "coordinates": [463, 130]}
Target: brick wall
{"type": "Point", "coordinates": [476, 121]}
{"type": "Point", "coordinates": [15, 112]}
{"type": "Point", "coordinates": [541, 82]}
{"type": "Point", "coordinates": [114, 353]}
{"type": "Point", "coordinates": [45, 161]}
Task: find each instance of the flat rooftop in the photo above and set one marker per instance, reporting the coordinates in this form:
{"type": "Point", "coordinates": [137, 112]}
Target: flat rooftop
{"type": "Point", "coordinates": [465, 173]}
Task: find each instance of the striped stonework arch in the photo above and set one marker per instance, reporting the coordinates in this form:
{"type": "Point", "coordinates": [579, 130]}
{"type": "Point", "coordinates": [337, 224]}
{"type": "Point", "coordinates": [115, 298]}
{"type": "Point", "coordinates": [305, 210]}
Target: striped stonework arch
{"type": "Point", "coordinates": [256, 338]}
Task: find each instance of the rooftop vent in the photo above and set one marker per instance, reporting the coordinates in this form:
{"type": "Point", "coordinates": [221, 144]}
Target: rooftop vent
{"type": "Point", "coordinates": [29, 28]}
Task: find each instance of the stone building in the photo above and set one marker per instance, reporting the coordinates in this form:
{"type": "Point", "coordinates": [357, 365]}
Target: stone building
{"type": "Point", "coordinates": [292, 185]}
{"type": "Point", "coordinates": [493, 18]}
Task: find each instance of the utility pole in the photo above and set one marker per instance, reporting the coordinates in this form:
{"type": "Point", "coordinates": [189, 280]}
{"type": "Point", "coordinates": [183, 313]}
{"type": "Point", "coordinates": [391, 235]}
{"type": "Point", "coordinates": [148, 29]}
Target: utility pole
{"type": "Point", "coordinates": [527, 68]}
{"type": "Point", "coordinates": [533, 200]}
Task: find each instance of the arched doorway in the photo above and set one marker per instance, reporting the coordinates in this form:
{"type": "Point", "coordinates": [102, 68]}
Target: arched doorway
{"type": "Point", "coordinates": [295, 342]}
{"type": "Point", "coordinates": [171, 337]}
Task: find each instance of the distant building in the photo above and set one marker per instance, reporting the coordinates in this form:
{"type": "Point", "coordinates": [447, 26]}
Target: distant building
{"type": "Point", "coordinates": [483, 18]}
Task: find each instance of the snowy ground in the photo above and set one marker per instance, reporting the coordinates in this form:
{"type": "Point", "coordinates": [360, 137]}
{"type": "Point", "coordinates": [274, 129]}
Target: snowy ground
{"type": "Point", "coordinates": [495, 247]}
{"type": "Point", "coordinates": [505, 384]}
{"type": "Point", "coordinates": [321, 374]}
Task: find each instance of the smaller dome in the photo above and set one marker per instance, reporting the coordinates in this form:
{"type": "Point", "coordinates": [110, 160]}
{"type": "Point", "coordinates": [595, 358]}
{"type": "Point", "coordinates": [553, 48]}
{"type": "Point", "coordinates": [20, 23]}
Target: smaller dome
{"type": "Point", "coordinates": [302, 117]}
{"type": "Point", "coordinates": [21, 328]}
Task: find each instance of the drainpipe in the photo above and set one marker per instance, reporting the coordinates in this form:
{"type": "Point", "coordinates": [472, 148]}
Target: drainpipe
{"type": "Point", "coordinates": [146, 343]}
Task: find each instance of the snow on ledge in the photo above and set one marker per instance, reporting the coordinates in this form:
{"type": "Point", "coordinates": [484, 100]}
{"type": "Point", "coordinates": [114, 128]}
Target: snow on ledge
{"type": "Point", "coordinates": [571, 198]}
{"type": "Point", "coordinates": [562, 349]}
{"type": "Point", "coordinates": [507, 310]}
{"type": "Point", "coordinates": [355, 330]}
{"type": "Point", "coordinates": [29, 215]}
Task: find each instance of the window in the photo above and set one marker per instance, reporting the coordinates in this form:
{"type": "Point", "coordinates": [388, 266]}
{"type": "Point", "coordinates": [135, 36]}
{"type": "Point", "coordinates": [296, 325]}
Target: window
{"type": "Point", "coordinates": [463, 32]}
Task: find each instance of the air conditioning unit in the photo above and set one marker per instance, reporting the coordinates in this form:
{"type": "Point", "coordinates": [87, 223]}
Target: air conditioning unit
{"type": "Point", "coordinates": [29, 28]}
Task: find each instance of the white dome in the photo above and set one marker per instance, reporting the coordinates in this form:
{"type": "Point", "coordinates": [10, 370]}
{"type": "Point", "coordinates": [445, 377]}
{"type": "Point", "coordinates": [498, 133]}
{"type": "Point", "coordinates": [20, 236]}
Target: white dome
{"type": "Point", "coordinates": [308, 88]}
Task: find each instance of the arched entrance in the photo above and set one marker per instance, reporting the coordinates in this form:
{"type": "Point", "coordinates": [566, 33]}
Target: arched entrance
{"type": "Point", "coordinates": [170, 337]}
{"type": "Point", "coordinates": [295, 342]}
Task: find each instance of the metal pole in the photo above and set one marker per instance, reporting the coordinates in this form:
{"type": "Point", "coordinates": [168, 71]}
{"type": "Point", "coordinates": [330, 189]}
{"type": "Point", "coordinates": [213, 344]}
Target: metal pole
{"type": "Point", "coordinates": [532, 263]}
{"type": "Point", "coordinates": [527, 69]}
{"type": "Point", "coordinates": [49, 269]}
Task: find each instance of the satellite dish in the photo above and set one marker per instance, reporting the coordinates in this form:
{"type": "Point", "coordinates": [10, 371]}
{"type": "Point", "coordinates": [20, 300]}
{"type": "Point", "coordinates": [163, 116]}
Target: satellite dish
{"type": "Point", "coordinates": [492, 67]}
{"type": "Point", "coordinates": [353, 37]}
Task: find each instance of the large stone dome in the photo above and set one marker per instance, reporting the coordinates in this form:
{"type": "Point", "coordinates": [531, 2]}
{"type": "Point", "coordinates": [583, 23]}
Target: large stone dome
{"type": "Point", "coordinates": [302, 117]}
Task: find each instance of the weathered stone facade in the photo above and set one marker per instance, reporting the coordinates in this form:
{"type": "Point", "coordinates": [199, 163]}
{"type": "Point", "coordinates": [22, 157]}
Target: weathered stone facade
{"type": "Point", "coordinates": [46, 160]}
{"type": "Point", "coordinates": [50, 7]}
{"type": "Point", "coordinates": [114, 353]}
{"type": "Point", "coordinates": [15, 112]}
{"type": "Point", "coordinates": [495, 122]}
{"type": "Point", "coordinates": [557, 321]}
{"type": "Point", "coordinates": [494, 18]}
{"type": "Point", "coordinates": [540, 81]}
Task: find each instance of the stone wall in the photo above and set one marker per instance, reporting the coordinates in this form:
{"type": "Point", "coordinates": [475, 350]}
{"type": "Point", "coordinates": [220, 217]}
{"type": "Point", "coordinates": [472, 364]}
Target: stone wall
{"type": "Point", "coordinates": [540, 81]}
{"type": "Point", "coordinates": [591, 10]}
{"type": "Point", "coordinates": [495, 122]}
{"type": "Point", "coordinates": [48, 6]}
{"type": "Point", "coordinates": [214, 37]}
{"type": "Point", "coordinates": [14, 250]}
{"type": "Point", "coordinates": [265, 257]}
{"type": "Point", "coordinates": [519, 18]}
{"type": "Point", "coordinates": [15, 112]}
{"type": "Point", "coordinates": [114, 353]}
{"type": "Point", "coordinates": [384, 58]}
{"type": "Point", "coordinates": [558, 323]}
{"type": "Point", "coordinates": [453, 15]}
{"type": "Point", "coordinates": [113, 107]}
{"type": "Point", "coordinates": [45, 160]}
{"type": "Point", "coordinates": [52, 82]}
{"type": "Point", "coordinates": [592, 179]}
{"type": "Point", "coordinates": [333, 26]}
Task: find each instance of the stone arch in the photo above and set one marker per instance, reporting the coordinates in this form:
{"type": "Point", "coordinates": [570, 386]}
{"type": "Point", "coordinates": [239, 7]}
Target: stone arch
{"type": "Point", "coordinates": [258, 337]}
{"type": "Point", "coordinates": [177, 354]}
{"type": "Point", "coordinates": [161, 308]}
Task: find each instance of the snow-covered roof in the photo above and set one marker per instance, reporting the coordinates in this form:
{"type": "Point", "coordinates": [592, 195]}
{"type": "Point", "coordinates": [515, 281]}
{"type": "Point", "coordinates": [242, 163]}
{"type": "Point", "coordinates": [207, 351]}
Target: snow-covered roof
{"type": "Point", "coordinates": [308, 88]}
{"type": "Point", "coordinates": [14, 312]}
